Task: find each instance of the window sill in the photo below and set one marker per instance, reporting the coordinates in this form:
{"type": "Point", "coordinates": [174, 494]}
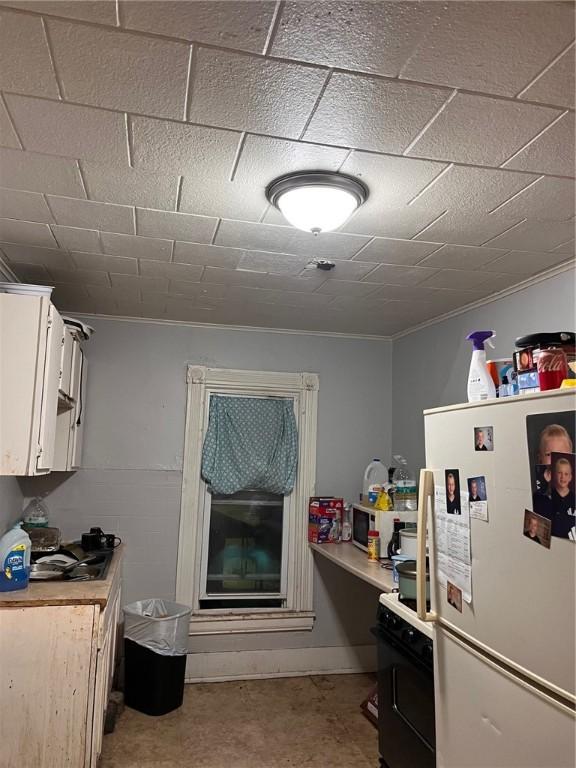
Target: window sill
{"type": "Point", "coordinates": [245, 623]}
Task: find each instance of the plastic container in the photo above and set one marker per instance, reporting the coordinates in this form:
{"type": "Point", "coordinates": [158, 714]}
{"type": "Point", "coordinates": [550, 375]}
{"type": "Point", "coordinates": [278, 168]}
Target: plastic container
{"type": "Point", "coordinates": [155, 647]}
{"type": "Point", "coordinates": [375, 479]}
{"type": "Point", "coordinates": [480, 383]}
{"type": "Point", "coordinates": [405, 495]}
{"type": "Point", "coordinates": [36, 513]}
{"type": "Point", "coordinates": [15, 548]}
{"type": "Point", "coordinates": [373, 546]}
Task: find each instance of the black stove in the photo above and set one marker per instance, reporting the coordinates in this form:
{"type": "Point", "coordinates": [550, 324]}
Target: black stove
{"type": "Point", "coordinates": [406, 730]}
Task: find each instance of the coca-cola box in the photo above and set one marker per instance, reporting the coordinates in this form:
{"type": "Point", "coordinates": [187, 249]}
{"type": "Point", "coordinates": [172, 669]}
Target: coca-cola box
{"type": "Point", "coordinates": [324, 519]}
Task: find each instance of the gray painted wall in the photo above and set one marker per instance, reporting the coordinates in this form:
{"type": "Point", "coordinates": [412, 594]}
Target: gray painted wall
{"type": "Point", "coordinates": [10, 502]}
{"type": "Point", "coordinates": [134, 440]}
{"type": "Point", "coordinates": [431, 365]}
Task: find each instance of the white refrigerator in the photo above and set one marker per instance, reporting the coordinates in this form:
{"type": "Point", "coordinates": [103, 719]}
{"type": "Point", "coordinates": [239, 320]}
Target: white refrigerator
{"type": "Point", "coordinates": [504, 665]}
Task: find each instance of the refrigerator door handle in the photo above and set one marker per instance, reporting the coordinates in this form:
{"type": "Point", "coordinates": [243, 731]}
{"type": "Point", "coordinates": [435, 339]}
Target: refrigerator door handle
{"type": "Point", "coordinates": [425, 497]}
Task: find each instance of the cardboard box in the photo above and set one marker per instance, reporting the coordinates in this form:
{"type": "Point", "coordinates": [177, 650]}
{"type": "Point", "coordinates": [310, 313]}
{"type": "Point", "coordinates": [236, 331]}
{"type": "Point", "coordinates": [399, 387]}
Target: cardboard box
{"type": "Point", "coordinates": [324, 519]}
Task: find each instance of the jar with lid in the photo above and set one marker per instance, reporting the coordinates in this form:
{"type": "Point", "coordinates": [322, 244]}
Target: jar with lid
{"type": "Point", "coordinates": [373, 546]}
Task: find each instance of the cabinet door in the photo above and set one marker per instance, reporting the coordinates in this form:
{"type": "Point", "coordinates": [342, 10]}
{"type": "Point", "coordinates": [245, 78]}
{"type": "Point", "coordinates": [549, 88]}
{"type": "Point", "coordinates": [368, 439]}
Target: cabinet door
{"type": "Point", "coordinates": [49, 408]}
{"type": "Point", "coordinates": [79, 370]}
{"type": "Point", "coordinates": [65, 381]}
{"type": "Point", "coordinates": [104, 673]}
{"type": "Point", "coordinates": [45, 657]}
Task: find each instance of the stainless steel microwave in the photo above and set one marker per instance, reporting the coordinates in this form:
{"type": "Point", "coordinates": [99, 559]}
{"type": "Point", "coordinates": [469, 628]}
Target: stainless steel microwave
{"type": "Point", "coordinates": [366, 519]}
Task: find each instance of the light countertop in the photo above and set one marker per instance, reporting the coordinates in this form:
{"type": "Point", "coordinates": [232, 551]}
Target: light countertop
{"type": "Point", "coordinates": [66, 592]}
{"type": "Point", "coordinates": [355, 561]}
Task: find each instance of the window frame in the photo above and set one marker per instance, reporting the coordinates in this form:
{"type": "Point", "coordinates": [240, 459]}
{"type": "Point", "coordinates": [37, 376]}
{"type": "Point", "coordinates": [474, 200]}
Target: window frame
{"type": "Point", "coordinates": [202, 382]}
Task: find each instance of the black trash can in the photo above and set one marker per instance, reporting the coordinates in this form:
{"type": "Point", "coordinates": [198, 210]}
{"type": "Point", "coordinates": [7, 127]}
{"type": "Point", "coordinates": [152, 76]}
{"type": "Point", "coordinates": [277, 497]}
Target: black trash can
{"type": "Point", "coordinates": [155, 640]}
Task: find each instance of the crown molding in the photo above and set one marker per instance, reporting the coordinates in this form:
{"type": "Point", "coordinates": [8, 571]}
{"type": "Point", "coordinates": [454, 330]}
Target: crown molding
{"type": "Point", "coordinates": [540, 278]}
{"type": "Point", "coordinates": [223, 327]}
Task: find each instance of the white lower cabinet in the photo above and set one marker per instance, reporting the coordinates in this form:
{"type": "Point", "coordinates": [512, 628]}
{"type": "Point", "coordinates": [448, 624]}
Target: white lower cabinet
{"type": "Point", "coordinates": [56, 669]}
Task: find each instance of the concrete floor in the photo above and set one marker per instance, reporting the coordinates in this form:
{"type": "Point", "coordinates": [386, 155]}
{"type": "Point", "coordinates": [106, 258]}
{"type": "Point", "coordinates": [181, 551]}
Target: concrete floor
{"type": "Point", "coordinates": [307, 722]}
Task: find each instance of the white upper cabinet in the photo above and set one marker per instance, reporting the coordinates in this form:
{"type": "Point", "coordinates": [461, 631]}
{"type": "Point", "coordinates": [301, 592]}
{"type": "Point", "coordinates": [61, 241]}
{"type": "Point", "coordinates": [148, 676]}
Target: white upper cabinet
{"type": "Point", "coordinates": [38, 385]}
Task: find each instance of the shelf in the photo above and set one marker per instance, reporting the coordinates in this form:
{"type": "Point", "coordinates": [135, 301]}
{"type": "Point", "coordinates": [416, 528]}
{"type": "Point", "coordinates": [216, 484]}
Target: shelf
{"type": "Point", "coordinates": [355, 561]}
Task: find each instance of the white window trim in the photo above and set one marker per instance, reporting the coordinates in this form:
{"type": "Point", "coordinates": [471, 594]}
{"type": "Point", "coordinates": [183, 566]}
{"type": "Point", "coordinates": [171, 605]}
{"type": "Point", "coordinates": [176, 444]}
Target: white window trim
{"type": "Point", "coordinates": [202, 383]}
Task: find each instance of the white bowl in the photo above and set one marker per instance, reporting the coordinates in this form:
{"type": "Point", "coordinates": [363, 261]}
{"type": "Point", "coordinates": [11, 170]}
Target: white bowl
{"type": "Point", "coordinates": [25, 288]}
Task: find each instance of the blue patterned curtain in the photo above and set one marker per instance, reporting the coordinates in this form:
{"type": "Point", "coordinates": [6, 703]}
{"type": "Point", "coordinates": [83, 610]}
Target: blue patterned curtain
{"type": "Point", "coordinates": [251, 444]}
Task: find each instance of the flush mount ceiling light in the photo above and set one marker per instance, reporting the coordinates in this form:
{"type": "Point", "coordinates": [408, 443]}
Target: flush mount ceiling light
{"type": "Point", "coordinates": [316, 201]}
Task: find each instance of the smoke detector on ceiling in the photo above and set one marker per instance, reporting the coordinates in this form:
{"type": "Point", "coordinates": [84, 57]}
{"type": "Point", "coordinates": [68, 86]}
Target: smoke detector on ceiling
{"type": "Point", "coordinates": [323, 264]}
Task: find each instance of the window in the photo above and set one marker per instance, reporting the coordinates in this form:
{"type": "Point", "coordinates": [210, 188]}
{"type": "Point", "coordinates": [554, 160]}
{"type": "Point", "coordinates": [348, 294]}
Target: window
{"type": "Point", "coordinates": [243, 562]}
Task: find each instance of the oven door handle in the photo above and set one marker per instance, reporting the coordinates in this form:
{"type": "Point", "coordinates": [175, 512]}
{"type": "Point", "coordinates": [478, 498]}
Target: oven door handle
{"type": "Point", "coordinates": [425, 498]}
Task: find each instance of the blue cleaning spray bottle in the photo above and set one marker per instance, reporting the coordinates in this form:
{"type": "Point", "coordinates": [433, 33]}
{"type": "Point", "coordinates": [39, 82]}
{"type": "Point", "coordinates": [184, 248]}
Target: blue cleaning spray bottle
{"type": "Point", "coordinates": [480, 384]}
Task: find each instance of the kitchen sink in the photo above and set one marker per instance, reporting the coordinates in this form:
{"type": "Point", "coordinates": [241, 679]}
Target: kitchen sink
{"type": "Point", "coordinates": [95, 569]}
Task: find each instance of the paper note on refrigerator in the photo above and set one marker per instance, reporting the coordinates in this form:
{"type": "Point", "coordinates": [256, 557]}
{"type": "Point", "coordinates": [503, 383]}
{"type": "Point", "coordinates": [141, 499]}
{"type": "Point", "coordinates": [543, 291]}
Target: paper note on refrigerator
{"type": "Point", "coordinates": [452, 536]}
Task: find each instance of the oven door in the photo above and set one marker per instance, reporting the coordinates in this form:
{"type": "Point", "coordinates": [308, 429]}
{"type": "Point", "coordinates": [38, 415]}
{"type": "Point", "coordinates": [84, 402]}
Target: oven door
{"type": "Point", "coordinates": [406, 732]}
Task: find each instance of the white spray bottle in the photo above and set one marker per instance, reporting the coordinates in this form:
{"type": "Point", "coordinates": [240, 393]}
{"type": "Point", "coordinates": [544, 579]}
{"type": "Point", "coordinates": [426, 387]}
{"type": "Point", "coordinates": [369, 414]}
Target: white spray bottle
{"type": "Point", "coordinates": [480, 384]}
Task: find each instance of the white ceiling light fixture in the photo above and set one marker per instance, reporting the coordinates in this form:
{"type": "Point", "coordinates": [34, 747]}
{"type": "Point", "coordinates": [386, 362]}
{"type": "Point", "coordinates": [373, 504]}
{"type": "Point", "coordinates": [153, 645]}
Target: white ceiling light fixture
{"type": "Point", "coordinates": [316, 201]}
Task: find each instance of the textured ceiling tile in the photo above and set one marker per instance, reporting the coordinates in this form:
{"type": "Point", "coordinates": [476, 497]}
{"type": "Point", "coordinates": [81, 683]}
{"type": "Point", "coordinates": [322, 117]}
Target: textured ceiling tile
{"type": "Point", "coordinates": [233, 277]}
{"type": "Point", "coordinates": [372, 219]}
{"type": "Point", "coordinates": [197, 290]}
{"type": "Point", "coordinates": [347, 288]}
{"type": "Point", "coordinates": [535, 236]}
{"type": "Point", "coordinates": [207, 255]}
{"type": "Point", "coordinates": [552, 152]}
{"type": "Point", "coordinates": [90, 215]}
{"type": "Point", "coordinates": [40, 173]}
{"type": "Point", "coordinates": [344, 270]}
{"type": "Point", "coordinates": [130, 187]}
{"type": "Point", "coordinates": [263, 159]}
{"type": "Point", "coordinates": [55, 128]}
{"type": "Point", "coordinates": [100, 11]}
{"type": "Point", "coordinates": [231, 24]}
{"type": "Point", "coordinates": [492, 47]}
{"type": "Point", "coordinates": [30, 206]}
{"type": "Point", "coordinates": [80, 276]}
{"type": "Point", "coordinates": [75, 239]}
{"type": "Point", "coordinates": [119, 70]}
{"type": "Point", "coordinates": [136, 247]}
{"type": "Point", "coordinates": [129, 282]}
{"type": "Point", "coordinates": [262, 237]}
{"type": "Point", "coordinates": [548, 199]}
{"type": "Point", "coordinates": [525, 262]}
{"type": "Point", "coordinates": [174, 226]}
{"type": "Point", "coordinates": [49, 257]}
{"type": "Point", "coordinates": [297, 284]}
{"type": "Point", "coordinates": [456, 279]}
{"type": "Point", "coordinates": [566, 247]}
{"type": "Point", "coordinates": [249, 296]}
{"type": "Point", "coordinates": [364, 36]}
{"type": "Point", "coordinates": [215, 197]}
{"type": "Point", "coordinates": [31, 273]}
{"type": "Point", "coordinates": [368, 113]}
{"type": "Point", "coordinates": [466, 228]}
{"type": "Point", "coordinates": [189, 272]}
{"type": "Point", "coordinates": [480, 189]}
{"type": "Point", "coordinates": [253, 94]}
{"type": "Point", "coordinates": [556, 85]}
{"type": "Point", "coordinates": [8, 137]}
{"type": "Point", "coordinates": [462, 257]}
{"type": "Point", "coordinates": [394, 275]}
{"type": "Point", "coordinates": [106, 296]}
{"type": "Point", "coordinates": [412, 294]}
{"type": "Point", "coordinates": [392, 181]}
{"type": "Point", "coordinates": [306, 300]}
{"type": "Point", "coordinates": [26, 233]}
{"type": "Point", "coordinates": [385, 250]}
{"type": "Point", "coordinates": [279, 263]}
{"type": "Point", "coordinates": [481, 130]}
{"type": "Point", "coordinates": [104, 263]}
{"type": "Point", "coordinates": [497, 283]}
{"type": "Point", "coordinates": [24, 58]}
{"type": "Point", "coordinates": [190, 150]}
